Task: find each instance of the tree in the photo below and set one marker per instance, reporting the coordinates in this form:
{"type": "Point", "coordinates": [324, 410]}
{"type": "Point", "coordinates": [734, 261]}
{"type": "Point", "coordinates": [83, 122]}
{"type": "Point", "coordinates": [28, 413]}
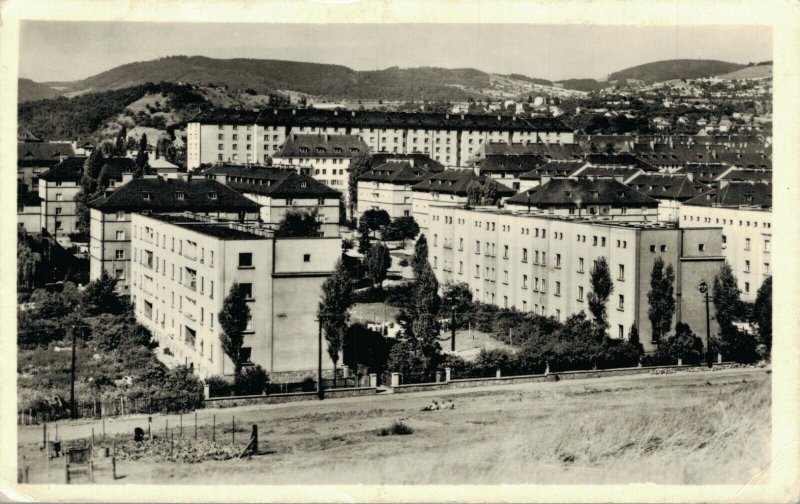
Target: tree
{"type": "Point", "coordinates": [359, 165]}
{"type": "Point", "coordinates": [402, 228]}
{"type": "Point", "coordinates": [425, 325]}
{"type": "Point", "coordinates": [142, 158]}
{"type": "Point", "coordinates": [728, 306]}
{"type": "Point", "coordinates": [375, 219]}
{"type": "Point", "coordinates": [298, 223]}
{"type": "Point", "coordinates": [661, 299]}
{"type": "Point", "coordinates": [233, 320]}
{"type": "Point", "coordinates": [347, 244]}
{"type": "Point", "coordinates": [363, 237]}
{"type": "Point", "coordinates": [119, 145]}
{"type": "Point", "coordinates": [684, 345]}
{"type": "Point", "coordinates": [420, 258]}
{"type": "Point", "coordinates": [762, 314]}
{"type": "Point", "coordinates": [377, 262]}
{"type": "Point", "coordinates": [489, 193]}
{"type": "Point", "coordinates": [456, 295]}
{"type": "Point", "coordinates": [333, 310]}
{"type": "Point", "coordinates": [474, 193]}
{"type": "Point", "coordinates": [91, 188]}
{"type": "Point", "coordinates": [602, 287]}
{"type": "Point", "coordinates": [100, 296]}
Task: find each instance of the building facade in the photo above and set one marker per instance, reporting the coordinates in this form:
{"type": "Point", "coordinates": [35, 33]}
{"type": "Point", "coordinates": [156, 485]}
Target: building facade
{"type": "Point", "coordinates": [450, 139]}
{"type": "Point", "coordinates": [58, 188]}
{"type": "Point", "coordinates": [541, 263]}
{"type": "Point", "coordinates": [388, 187]}
{"type": "Point", "coordinates": [184, 266]}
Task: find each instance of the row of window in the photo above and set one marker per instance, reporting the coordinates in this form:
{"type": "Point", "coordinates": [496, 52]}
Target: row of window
{"type": "Point", "coordinates": [728, 222]}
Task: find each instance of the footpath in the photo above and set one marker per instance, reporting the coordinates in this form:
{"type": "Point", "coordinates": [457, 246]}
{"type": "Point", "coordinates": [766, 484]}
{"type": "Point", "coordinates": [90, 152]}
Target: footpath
{"type": "Point", "coordinates": [83, 428]}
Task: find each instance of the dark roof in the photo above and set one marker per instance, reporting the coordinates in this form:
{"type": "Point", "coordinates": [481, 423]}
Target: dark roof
{"type": "Point", "coordinates": [667, 186]}
{"type": "Point", "coordinates": [43, 151]}
{"type": "Point", "coordinates": [25, 135]}
{"type": "Point", "coordinates": [704, 172]}
{"type": "Point", "coordinates": [314, 146]}
{"type": "Point", "coordinates": [510, 163]}
{"type": "Point", "coordinates": [619, 160]}
{"type": "Point", "coordinates": [553, 169]}
{"type": "Point", "coordinates": [736, 194]}
{"type": "Point", "coordinates": [565, 192]}
{"type": "Point", "coordinates": [222, 230]}
{"type": "Point", "coordinates": [420, 160]}
{"type": "Point", "coordinates": [746, 175]}
{"type": "Point", "coordinates": [456, 182]}
{"type": "Point", "coordinates": [164, 197]}
{"type": "Point", "coordinates": [272, 182]}
{"type": "Point", "coordinates": [396, 172]}
{"type": "Point", "coordinates": [608, 171]}
{"type": "Point", "coordinates": [68, 170]}
{"type": "Point", "coordinates": [116, 166]}
{"type": "Point", "coordinates": [379, 119]}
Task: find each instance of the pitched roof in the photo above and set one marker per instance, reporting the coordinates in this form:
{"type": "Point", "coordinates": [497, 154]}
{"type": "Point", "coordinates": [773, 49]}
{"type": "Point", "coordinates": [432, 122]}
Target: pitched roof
{"type": "Point", "coordinates": [68, 170]}
{"type": "Point", "coordinates": [619, 160]}
{"type": "Point", "coordinates": [323, 146]}
{"type": "Point", "coordinates": [419, 159]}
{"type": "Point", "coordinates": [667, 186]}
{"type": "Point", "coordinates": [456, 182]}
{"type": "Point", "coordinates": [554, 169]}
{"type": "Point", "coordinates": [25, 135]}
{"type": "Point", "coordinates": [116, 166]}
{"type": "Point", "coordinates": [704, 172]}
{"type": "Point", "coordinates": [740, 174]}
{"type": "Point", "coordinates": [379, 119]}
{"type": "Point", "coordinates": [272, 182]}
{"type": "Point", "coordinates": [549, 151]}
{"type": "Point", "coordinates": [222, 230]}
{"type": "Point", "coordinates": [510, 163]}
{"type": "Point", "coordinates": [735, 194]}
{"type": "Point", "coordinates": [164, 195]}
{"type": "Point", "coordinates": [43, 151]}
{"type": "Point", "coordinates": [567, 192]}
{"type": "Point", "coordinates": [396, 172]}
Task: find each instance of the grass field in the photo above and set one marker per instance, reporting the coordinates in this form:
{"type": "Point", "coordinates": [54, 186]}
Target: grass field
{"type": "Point", "coordinates": [683, 428]}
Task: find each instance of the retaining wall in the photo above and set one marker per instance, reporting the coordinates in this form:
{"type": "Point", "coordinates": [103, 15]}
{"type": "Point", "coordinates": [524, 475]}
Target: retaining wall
{"type": "Point", "coordinates": [228, 402]}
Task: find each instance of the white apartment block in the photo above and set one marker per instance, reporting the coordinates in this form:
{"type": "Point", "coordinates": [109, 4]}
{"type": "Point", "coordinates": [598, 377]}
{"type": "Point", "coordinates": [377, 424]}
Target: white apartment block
{"type": "Point", "coordinates": [450, 139]}
{"type": "Point", "coordinates": [744, 212]}
{"type": "Point", "coordinates": [388, 187]}
{"type": "Point", "coordinates": [58, 188]}
{"type": "Point", "coordinates": [541, 263]}
{"type": "Point", "coordinates": [184, 266]}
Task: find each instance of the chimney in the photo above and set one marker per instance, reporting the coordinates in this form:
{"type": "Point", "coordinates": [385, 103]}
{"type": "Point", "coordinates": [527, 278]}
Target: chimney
{"type": "Point", "coordinates": [335, 112]}
{"type": "Point", "coordinates": [127, 177]}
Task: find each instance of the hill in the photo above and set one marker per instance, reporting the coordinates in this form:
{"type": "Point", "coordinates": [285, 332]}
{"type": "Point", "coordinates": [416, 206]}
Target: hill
{"type": "Point", "coordinates": [583, 84]}
{"type": "Point", "coordinates": [659, 71]}
{"type": "Point", "coordinates": [750, 72]}
{"type": "Point", "coordinates": [29, 91]}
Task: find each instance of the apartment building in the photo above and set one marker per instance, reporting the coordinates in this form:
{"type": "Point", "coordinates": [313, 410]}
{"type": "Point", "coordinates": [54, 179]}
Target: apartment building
{"type": "Point", "coordinates": [550, 151]}
{"type": "Point", "coordinates": [670, 189]}
{"type": "Point", "coordinates": [35, 157]}
{"type": "Point", "coordinates": [744, 212]}
{"type": "Point", "coordinates": [549, 170]}
{"type": "Point", "coordinates": [540, 263]}
{"type": "Point", "coordinates": [29, 210]}
{"type": "Point", "coordinates": [279, 190]}
{"type": "Point", "coordinates": [324, 157]}
{"type": "Point", "coordinates": [183, 267]}
{"type": "Point", "coordinates": [606, 198]}
{"type": "Point", "coordinates": [58, 187]}
{"type": "Point", "coordinates": [388, 187]}
{"type": "Point", "coordinates": [450, 139]}
{"type": "Point", "coordinates": [111, 214]}
{"type": "Point", "coordinates": [448, 188]}
{"type": "Point", "coordinates": [508, 168]}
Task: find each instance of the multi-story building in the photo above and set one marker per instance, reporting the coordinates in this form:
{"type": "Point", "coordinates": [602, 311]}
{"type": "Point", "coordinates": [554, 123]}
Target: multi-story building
{"type": "Point", "coordinates": [110, 216]}
{"type": "Point", "coordinates": [508, 168]}
{"type": "Point", "coordinates": [279, 190]}
{"type": "Point", "coordinates": [550, 169]}
{"type": "Point", "coordinates": [551, 151]}
{"type": "Point", "coordinates": [448, 188]}
{"type": "Point", "coordinates": [539, 262]}
{"type": "Point", "coordinates": [670, 189]}
{"type": "Point", "coordinates": [35, 157]}
{"type": "Point", "coordinates": [388, 187]}
{"type": "Point", "coordinates": [185, 265]}
{"type": "Point", "coordinates": [744, 212]}
{"type": "Point", "coordinates": [57, 190]}
{"type": "Point", "coordinates": [450, 139]}
{"type": "Point", "coordinates": [324, 157]}
{"type": "Point", "coordinates": [29, 210]}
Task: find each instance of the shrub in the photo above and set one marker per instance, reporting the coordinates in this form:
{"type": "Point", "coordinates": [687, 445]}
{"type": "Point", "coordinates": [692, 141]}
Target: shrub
{"type": "Point", "coordinates": [253, 380]}
{"type": "Point", "coordinates": [219, 386]}
{"type": "Point", "coordinates": [684, 344]}
{"type": "Point", "coordinates": [489, 361]}
{"type": "Point", "coordinates": [397, 429]}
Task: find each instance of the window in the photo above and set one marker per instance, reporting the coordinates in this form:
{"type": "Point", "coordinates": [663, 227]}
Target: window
{"type": "Point", "coordinates": [306, 257]}
{"type": "Point", "coordinates": [701, 247]}
{"type": "Point", "coordinates": [246, 355]}
{"type": "Point", "coordinates": [663, 248]}
{"type": "Point", "coordinates": [558, 288]}
{"type": "Point", "coordinates": [747, 287]}
{"type": "Point", "coordinates": [524, 255]}
{"type": "Point", "coordinates": [766, 245]}
{"type": "Point", "coordinates": [747, 266]}
{"type": "Point", "coordinates": [621, 305]}
{"type": "Point", "coordinates": [245, 260]}
{"type": "Point", "coordinates": [558, 260]}
{"type": "Point", "coordinates": [580, 293]}
{"type": "Point", "coordinates": [120, 215]}
{"type": "Point", "coordinates": [119, 274]}
{"type": "Point", "coordinates": [505, 277]}
{"type": "Point", "coordinates": [179, 195]}
{"type": "Point", "coordinates": [460, 267]}
{"type": "Point", "coordinates": [580, 265]}
{"type": "Point", "coordinates": [747, 243]}
{"type": "Point", "coordinates": [620, 331]}
{"type": "Point", "coordinates": [119, 254]}
{"type": "Point", "coordinates": [247, 290]}
{"type": "Point", "coordinates": [524, 281]}
{"type": "Point", "coordinates": [558, 315]}
{"type": "Point", "coordinates": [461, 244]}
{"type": "Point", "coordinates": [120, 235]}
{"type": "Point", "coordinates": [505, 251]}
{"type": "Point", "coordinates": [477, 271]}
{"type": "Point", "coordinates": [477, 246]}
{"type": "Point", "coordinates": [766, 268]}
{"type": "Point", "coordinates": [146, 195]}
{"type": "Point", "coordinates": [58, 211]}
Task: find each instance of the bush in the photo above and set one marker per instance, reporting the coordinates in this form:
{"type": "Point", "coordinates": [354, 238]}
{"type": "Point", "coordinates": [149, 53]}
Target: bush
{"type": "Point", "coordinates": [684, 344]}
{"type": "Point", "coordinates": [219, 386]}
{"type": "Point", "coordinates": [253, 380]}
{"type": "Point", "coordinates": [489, 361]}
{"type": "Point", "coordinates": [397, 429]}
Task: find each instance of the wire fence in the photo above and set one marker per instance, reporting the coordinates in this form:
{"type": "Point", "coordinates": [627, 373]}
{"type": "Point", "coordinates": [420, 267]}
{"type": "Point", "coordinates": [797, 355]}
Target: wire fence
{"type": "Point", "coordinates": [105, 408]}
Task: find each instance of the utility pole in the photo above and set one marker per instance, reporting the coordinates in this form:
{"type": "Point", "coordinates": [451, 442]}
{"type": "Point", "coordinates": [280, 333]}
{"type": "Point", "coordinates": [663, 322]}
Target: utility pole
{"type": "Point", "coordinates": [453, 331]}
{"type": "Point", "coordinates": [703, 288]}
{"type": "Point", "coordinates": [320, 392]}
{"type": "Point", "coordinates": [72, 411]}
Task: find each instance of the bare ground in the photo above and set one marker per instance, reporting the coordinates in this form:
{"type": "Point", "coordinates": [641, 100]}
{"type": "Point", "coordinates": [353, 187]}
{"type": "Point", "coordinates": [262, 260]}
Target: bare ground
{"type": "Point", "coordinates": [683, 428]}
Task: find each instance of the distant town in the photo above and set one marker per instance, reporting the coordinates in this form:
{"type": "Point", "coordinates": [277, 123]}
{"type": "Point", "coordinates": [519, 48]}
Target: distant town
{"type": "Point", "coordinates": [188, 246]}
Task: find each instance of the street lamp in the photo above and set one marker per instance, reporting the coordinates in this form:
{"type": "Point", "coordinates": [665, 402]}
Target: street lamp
{"type": "Point", "coordinates": [703, 288]}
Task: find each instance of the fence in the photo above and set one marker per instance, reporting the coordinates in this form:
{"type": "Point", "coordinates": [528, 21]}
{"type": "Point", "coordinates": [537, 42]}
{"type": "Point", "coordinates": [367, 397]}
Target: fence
{"type": "Point", "coordinates": [103, 408]}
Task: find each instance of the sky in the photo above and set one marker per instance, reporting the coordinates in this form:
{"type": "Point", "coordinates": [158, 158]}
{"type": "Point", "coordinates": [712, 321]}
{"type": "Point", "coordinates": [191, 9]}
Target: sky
{"type": "Point", "coordinates": [64, 51]}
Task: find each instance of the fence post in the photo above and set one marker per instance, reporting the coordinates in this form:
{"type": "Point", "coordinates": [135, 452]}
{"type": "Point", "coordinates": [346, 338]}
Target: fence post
{"type": "Point", "coordinates": [395, 379]}
{"type": "Point", "coordinates": [195, 425]}
{"type": "Point", "coordinates": [214, 429]}
{"type": "Point", "coordinates": [44, 435]}
{"type": "Point", "coordinates": [233, 429]}
{"type": "Point", "coordinates": [719, 358]}
{"type": "Point", "coordinates": [448, 374]}
{"type": "Point", "coordinates": [104, 430]}
{"type": "Point", "coordinates": [373, 380]}
{"type": "Point", "coordinates": [166, 427]}
{"type": "Point", "coordinates": [92, 439]}
{"type": "Point", "coordinates": [181, 426]}
{"type": "Point", "coordinates": [680, 362]}
{"type": "Point", "coordinates": [498, 373]}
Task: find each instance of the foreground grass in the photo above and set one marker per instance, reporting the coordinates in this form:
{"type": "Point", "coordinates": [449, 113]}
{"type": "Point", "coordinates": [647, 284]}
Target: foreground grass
{"type": "Point", "coordinates": [684, 428]}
